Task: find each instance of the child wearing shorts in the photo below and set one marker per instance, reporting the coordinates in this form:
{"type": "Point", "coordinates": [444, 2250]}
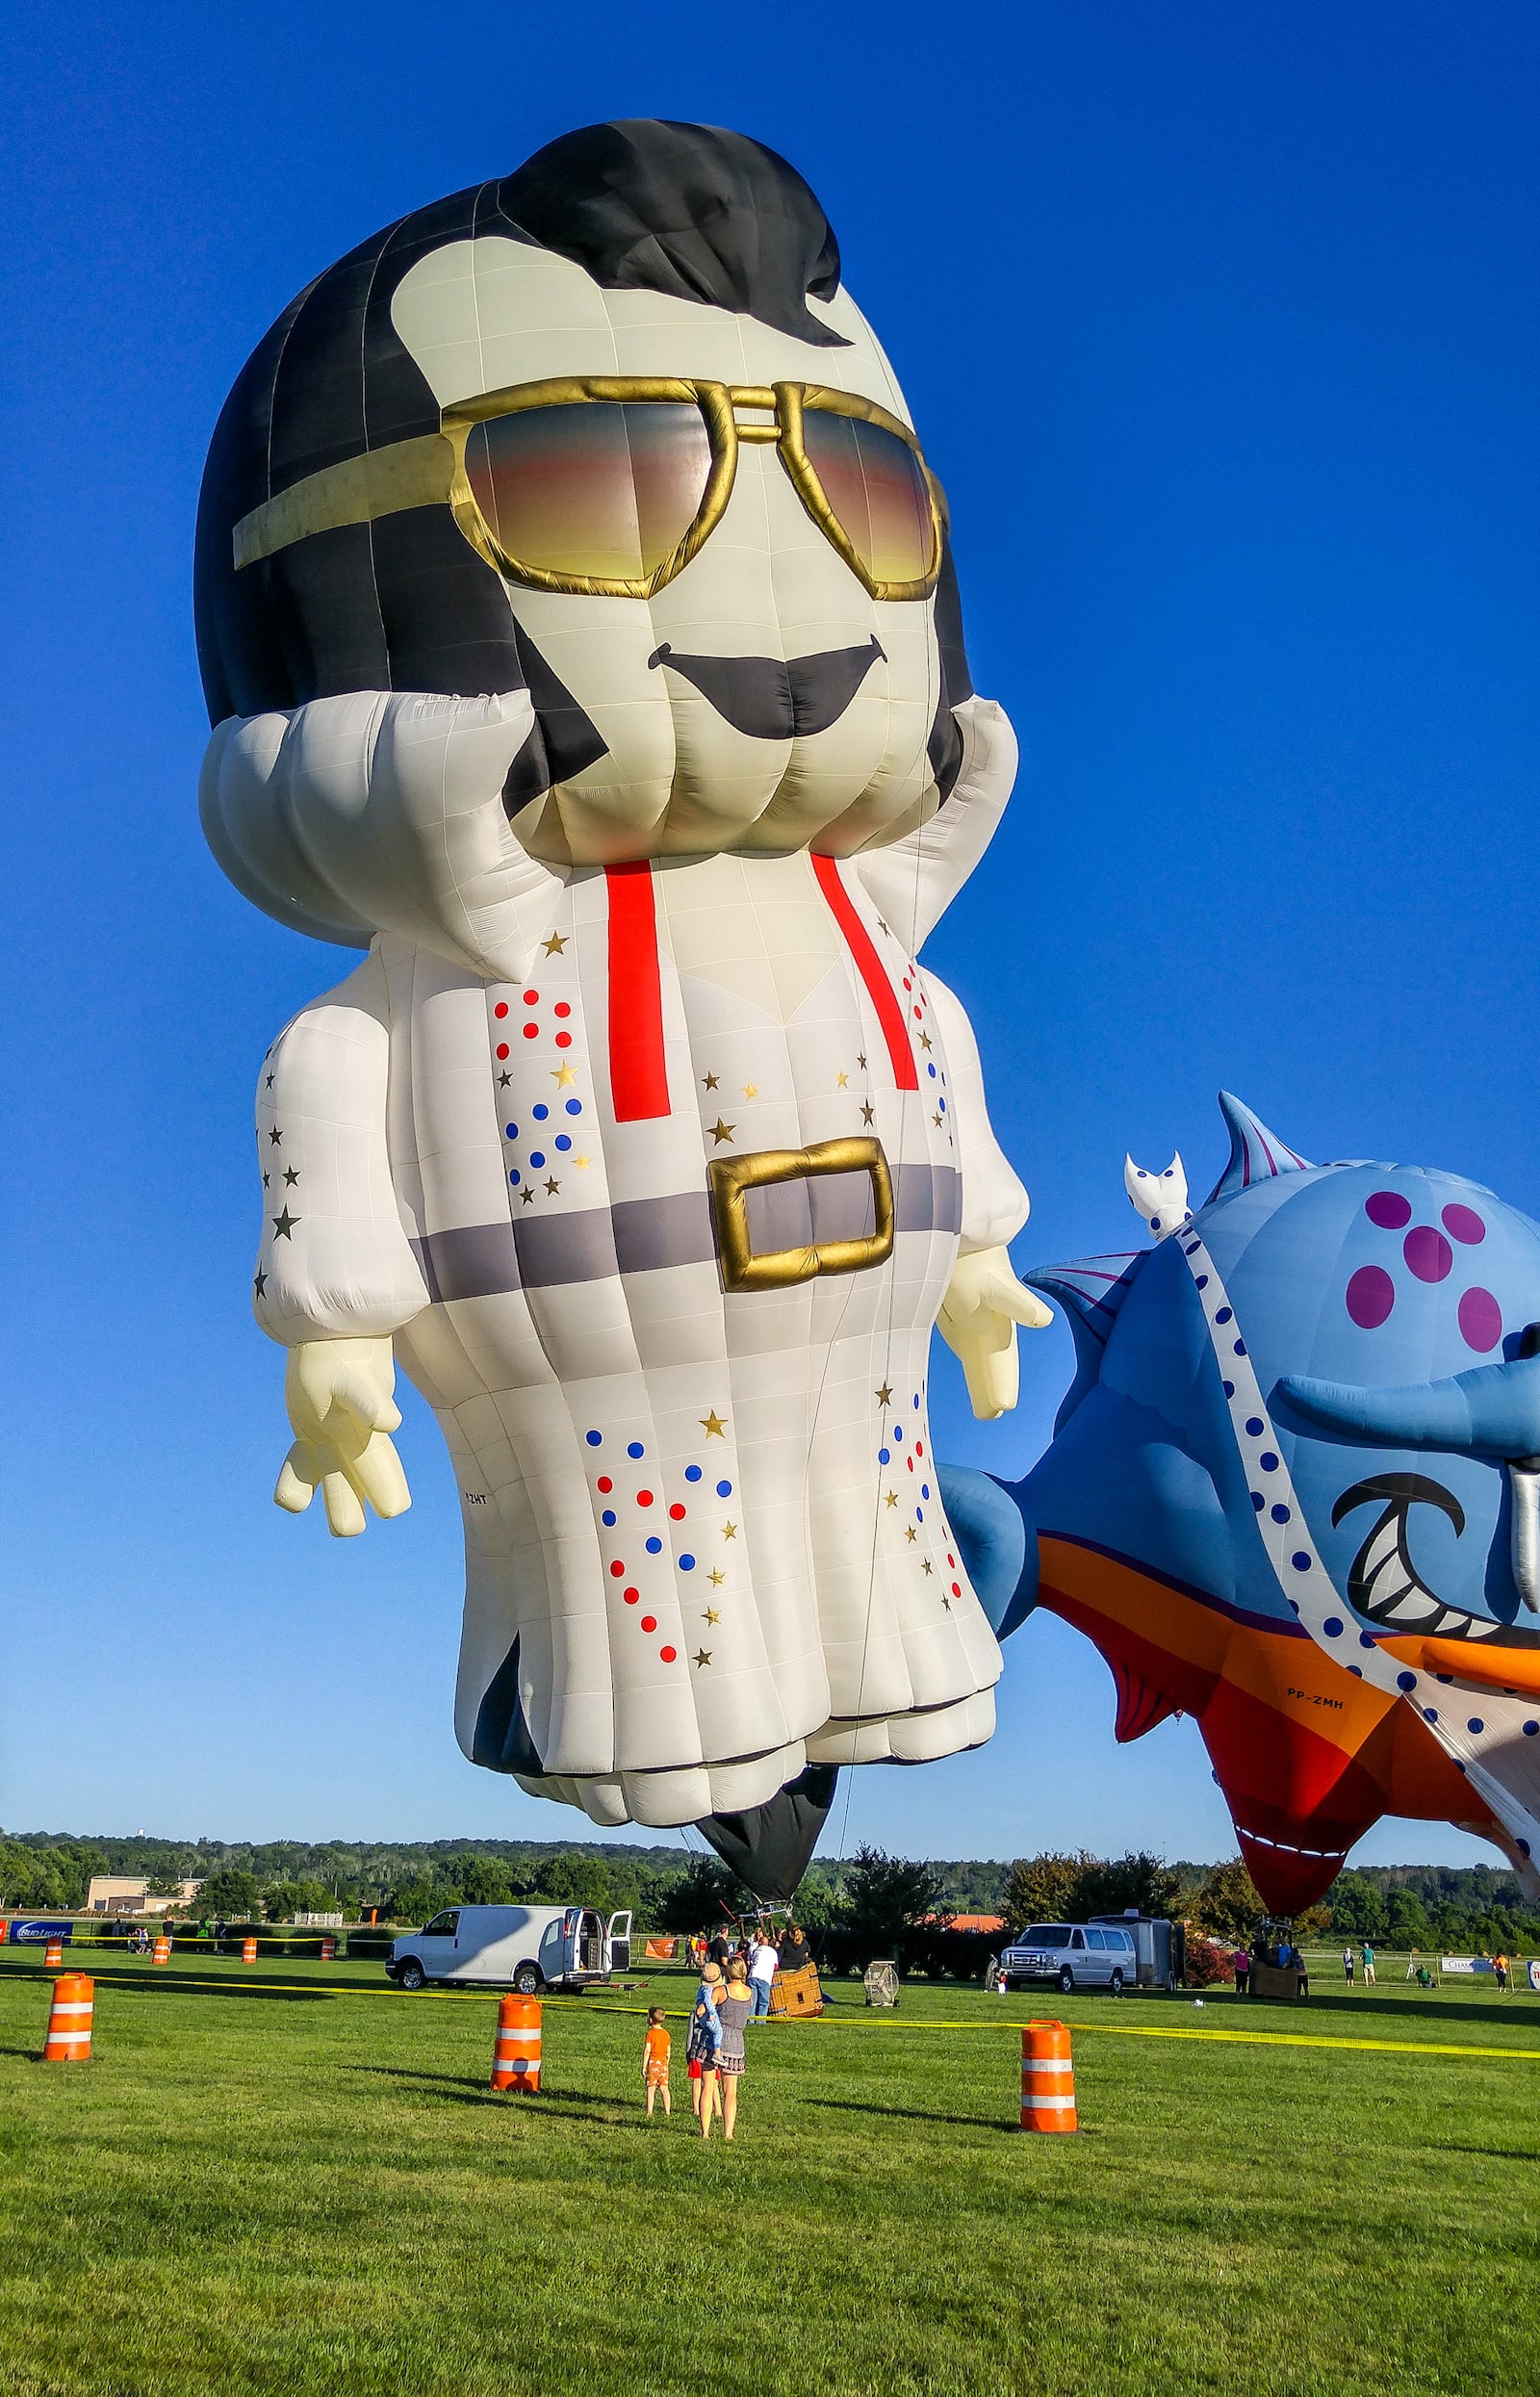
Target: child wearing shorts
{"type": "Point", "coordinates": [656, 2051]}
{"type": "Point", "coordinates": [705, 2037]}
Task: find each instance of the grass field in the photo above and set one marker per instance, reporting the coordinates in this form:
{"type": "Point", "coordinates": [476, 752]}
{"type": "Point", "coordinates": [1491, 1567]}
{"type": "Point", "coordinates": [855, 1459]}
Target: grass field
{"type": "Point", "coordinates": [291, 2178]}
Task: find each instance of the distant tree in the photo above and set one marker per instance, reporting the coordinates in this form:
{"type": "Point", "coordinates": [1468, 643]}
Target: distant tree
{"type": "Point", "coordinates": [885, 1895]}
{"type": "Point", "coordinates": [413, 1898]}
{"type": "Point", "coordinates": [1407, 1923]}
{"type": "Point", "coordinates": [282, 1900]}
{"type": "Point", "coordinates": [1110, 1888]}
{"type": "Point", "coordinates": [1226, 1904]}
{"type": "Point", "coordinates": [1358, 1906]}
{"type": "Point", "coordinates": [703, 1895]}
{"type": "Point", "coordinates": [232, 1895]}
{"type": "Point", "coordinates": [574, 1880]}
{"type": "Point", "coordinates": [1042, 1889]}
{"type": "Point", "coordinates": [484, 1881]}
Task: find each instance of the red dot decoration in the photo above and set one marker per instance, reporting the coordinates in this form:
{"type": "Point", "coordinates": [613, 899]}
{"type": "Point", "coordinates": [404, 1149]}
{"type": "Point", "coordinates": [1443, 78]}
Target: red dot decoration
{"type": "Point", "coordinates": [649, 1622]}
{"type": "Point", "coordinates": [630, 1596]}
{"type": "Point", "coordinates": [501, 1009]}
{"type": "Point", "coordinates": [531, 1031]}
{"type": "Point", "coordinates": [676, 1515]}
{"type": "Point", "coordinates": [956, 1589]}
{"type": "Point", "coordinates": [644, 1498]}
{"type": "Point", "coordinates": [908, 983]}
{"type": "Point", "coordinates": [951, 1559]}
{"type": "Point", "coordinates": [919, 1448]}
{"type": "Point", "coordinates": [617, 1568]}
{"type": "Point", "coordinates": [668, 1655]}
{"type": "Point", "coordinates": [561, 1008]}
{"type": "Point", "coordinates": [909, 1461]}
{"type": "Point", "coordinates": [502, 1049]}
{"type": "Point", "coordinates": [532, 998]}
{"type": "Point", "coordinates": [605, 1485]}
{"type": "Point", "coordinates": [916, 1012]}
{"type": "Point", "coordinates": [563, 1039]}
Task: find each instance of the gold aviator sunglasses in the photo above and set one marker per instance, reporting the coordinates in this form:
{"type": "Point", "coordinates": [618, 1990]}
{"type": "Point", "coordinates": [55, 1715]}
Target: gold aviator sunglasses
{"type": "Point", "coordinates": [610, 483]}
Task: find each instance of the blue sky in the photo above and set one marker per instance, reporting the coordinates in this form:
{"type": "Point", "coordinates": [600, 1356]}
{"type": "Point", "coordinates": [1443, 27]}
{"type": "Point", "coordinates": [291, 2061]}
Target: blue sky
{"type": "Point", "coordinates": [1220, 328]}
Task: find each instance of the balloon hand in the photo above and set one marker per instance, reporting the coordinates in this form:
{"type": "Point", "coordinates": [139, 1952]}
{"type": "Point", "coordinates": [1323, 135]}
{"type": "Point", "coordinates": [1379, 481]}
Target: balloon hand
{"type": "Point", "coordinates": [983, 1306]}
{"type": "Point", "coordinates": [342, 1411]}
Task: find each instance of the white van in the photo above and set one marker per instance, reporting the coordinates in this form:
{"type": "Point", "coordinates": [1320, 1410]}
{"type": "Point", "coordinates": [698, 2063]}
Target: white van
{"type": "Point", "coordinates": [524, 1947]}
{"type": "Point", "coordinates": [1077, 1955]}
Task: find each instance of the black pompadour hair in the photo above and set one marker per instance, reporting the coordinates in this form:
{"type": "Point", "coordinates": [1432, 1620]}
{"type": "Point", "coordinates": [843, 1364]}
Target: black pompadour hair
{"type": "Point", "coordinates": [405, 603]}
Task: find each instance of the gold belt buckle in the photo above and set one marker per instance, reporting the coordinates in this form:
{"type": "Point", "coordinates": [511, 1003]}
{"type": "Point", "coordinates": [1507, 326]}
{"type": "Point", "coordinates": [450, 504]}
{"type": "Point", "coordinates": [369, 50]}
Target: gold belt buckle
{"type": "Point", "coordinates": [731, 1179]}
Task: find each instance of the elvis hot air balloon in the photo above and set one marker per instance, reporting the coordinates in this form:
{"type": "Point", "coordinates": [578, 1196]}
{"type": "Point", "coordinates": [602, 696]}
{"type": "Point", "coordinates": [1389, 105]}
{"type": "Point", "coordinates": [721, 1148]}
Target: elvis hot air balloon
{"type": "Point", "coordinates": [580, 633]}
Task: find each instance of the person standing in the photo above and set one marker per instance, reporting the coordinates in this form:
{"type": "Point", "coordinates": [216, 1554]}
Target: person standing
{"type": "Point", "coordinates": [737, 2003]}
{"type": "Point", "coordinates": [795, 1952]}
{"type": "Point", "coordinates": [656, 2049]}
{"type": "Point", "coordinates": [764, 1961]}
{"type": "Point", "coordinates": [1243, 1971]}
{"type": "Point", "coordinates": [1369, 1965]}
{"type": "Point", "coordinates": [702, 2041]}
{"type": "Point", "coordinates": [1348, 1965]}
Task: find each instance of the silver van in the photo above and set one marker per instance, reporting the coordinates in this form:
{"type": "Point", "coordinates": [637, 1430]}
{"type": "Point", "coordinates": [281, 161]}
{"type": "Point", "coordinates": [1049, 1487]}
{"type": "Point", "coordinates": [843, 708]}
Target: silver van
{"type": "Point", "coordinates": [1076, 1955]}
{"type": "Point", "coordinates": [527, 1949]}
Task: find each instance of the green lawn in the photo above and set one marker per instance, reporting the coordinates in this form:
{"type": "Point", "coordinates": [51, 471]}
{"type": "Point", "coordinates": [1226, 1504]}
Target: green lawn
{"type": "Point", "coordinates": [290, 2179]}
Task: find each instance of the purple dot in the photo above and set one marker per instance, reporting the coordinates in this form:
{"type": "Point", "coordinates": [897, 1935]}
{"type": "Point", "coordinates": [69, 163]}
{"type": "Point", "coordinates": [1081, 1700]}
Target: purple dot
{"type": "Point", "coordinates": [1371, 1296]}
{"type": "Point", "coordinates": [1481, 1321]}
{"type": "Point", "coordinates": [1463, 1224]}
{"type": "Point", "coordinates": [1389, 1210]}
{"type": "Point", "coordinates": [1427, 1253]}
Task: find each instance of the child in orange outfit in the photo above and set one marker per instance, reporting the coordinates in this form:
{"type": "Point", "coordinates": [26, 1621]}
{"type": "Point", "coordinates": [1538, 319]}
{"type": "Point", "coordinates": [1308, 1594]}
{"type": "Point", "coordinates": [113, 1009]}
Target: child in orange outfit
{"type": "Point", "coordinates": [656, 2052]}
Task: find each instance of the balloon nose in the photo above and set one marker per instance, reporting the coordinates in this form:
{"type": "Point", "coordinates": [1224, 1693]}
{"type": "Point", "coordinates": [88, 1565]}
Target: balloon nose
{"type": "Point", "coordinates": [1493, 1410]}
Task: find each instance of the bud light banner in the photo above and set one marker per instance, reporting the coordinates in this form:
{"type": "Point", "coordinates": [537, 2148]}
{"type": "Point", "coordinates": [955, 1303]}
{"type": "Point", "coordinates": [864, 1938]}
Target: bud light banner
{"type": "Point", "coordinates": [41, 1931]}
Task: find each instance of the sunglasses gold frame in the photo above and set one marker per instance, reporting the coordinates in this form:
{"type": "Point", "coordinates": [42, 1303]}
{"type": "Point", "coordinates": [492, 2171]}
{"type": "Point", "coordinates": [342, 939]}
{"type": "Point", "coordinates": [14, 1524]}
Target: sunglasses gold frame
{"type": "Point", "coordinates": [430, 471]}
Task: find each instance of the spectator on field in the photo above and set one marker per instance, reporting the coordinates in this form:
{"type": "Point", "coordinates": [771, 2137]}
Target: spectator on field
{"type": "Point", "coordinates": [703, 2040]}
{"type": "Point", "coordinates": [720, 1950]}
{"type": "Point", "coordinates": [764, 1962]}
{"type": "Point", "coordinates": [656, 2049]}
{"type": "Point", "coordinates": [1367, 1959]}
{"type": "Point", "coordinates": [732, 2016]}
{"type": "Point", "coordinates": [1242, 1961]}
{"type": "Point", "coordinates": [1348, 1965]}
{"type": "Point", "coordinates": [1499, 1966]}
{"type": "Point", "coordinates": [1424, 1979]}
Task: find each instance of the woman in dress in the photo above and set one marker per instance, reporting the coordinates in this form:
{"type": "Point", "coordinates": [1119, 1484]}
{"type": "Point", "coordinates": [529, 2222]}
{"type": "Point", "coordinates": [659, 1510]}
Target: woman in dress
{"type": "Point", "coordinates": [732, 2014]}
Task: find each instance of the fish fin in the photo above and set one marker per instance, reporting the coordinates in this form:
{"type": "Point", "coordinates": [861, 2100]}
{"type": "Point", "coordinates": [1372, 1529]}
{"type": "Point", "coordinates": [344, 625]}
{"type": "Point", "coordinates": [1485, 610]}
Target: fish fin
{"type": "Point", "coordinates": [1256, 1154]}
{"type": "Point", "coordinates": [1091, 1290]}
{"type": "Point", "coordinates": [1139, 1705]}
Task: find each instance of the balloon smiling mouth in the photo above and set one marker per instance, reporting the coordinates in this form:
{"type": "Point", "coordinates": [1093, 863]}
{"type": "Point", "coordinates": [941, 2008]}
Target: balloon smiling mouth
{"type": "Point", "coordinates": [778, 698]}
{"type": "Point", "coordinates": [1384, 1585]}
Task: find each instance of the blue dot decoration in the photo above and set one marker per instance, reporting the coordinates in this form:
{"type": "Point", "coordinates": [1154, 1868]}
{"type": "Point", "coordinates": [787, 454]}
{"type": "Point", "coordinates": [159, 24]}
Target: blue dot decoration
{"type": "Point", "coordinates": [1366, 1640]}
{"type": "Point", "coordinates": [1476, 1723]}
{"type": "Point", "coordinates": [593, 1438]}
{"type": "Point", "coordinates": [925, 1490]}
{"type": "Point", "coordinates": [563, 1140]}
{"type": "Point", "coordinates": [1430, 1715]}
{"type": "Point", "coordinates": [1202, 1281]}
{"type": "Point", "coordinates": [1240, 1348]}
{"type": "Point", "coordinates": [686, 1564]}
{"type": "Point", "coordinates": [512, 1130]}
{"type": "Point", "coordinates": [916, 1398]}
{"type": "Point", "coordinates": [1332, 1627]}
{"type": "Point", "coordinates": [537, 1156]}
{"type": "Point", "coordinates": [574, 1106]}
{"type": "Point", "coordinates": [1357, 1671]}
{"type": "Point", "coordinates": [513, 1178]}
{"type": "Point", "coordinates": [692, 1473]}
{"type": "Point", "coordinates": [931, 1070]}
{"type": "Point", "coordinates": [1523, 1847]}
{"type": "Point", "coordinates": [1255, 1426]}
{"type": "Point", "coordinates": [1229, 1389]}
{"type": "Point", "coordinates": [1269, 1460]}
{"type": "Point", "coordinates": [1281, 1514]}
{"type": "Point", "coordinates": [1258, 1501]}
{"type": "Point", "coordinates": [607, 1518]}
{"type": "Point", "coordinates": [541, 1112]}
{"type": "Point", "coordinates": [723, 1489]}
{"type": "Point", "coordinates": [1531, 1729]}
{"type": "Point", "coordinates": [1225, 1315]}
{"type": "Point", "coordinates": [634, 1448]}
{"type": "Point", "coordinates": [654, 1547]}
{"type": "Point", "coordinates": [941, 1106]}
{"type": "Point", "coordinates": [885, 1455]}
{"type": "Point", "coordinates": [1406, 1681]}
{"type": "Point", "coordinates": [898, 1433]}
{"type": "Point", "coordinates": [1300, 1562]}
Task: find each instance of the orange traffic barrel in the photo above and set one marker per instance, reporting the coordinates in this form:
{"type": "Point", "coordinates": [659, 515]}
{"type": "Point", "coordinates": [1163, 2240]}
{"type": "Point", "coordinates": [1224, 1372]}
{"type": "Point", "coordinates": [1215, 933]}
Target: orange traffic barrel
{"type": "Point", "coordinates": [53, 1956]}
{"type": "Point", "coordinates": [69, 2040]}
{"type": "Point", "coordinates": [248, 1951]}
{"type": "Point", "coordinates": [328, 1951]}
{"type": "Point", "coordinates": [516, 2056]}
{"type": "Point", "coordinates": [1047, 2077]}
{"type": "Point", "coordinates": [163, 1949]}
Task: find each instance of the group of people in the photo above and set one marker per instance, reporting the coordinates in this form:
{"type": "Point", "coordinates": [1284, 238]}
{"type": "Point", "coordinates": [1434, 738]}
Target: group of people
{"type": "Point", "coordinates": [1366, 1957]}
{"type": "Point", "coordinates": [737, 1975]}
{"type": "Point", "coordinates": [1284, 1955]}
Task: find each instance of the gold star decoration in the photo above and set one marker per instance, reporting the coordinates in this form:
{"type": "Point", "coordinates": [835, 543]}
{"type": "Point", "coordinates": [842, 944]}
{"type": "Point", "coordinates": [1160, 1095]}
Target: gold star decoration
{"type": "Point", "coordinates": [937, 1121]}
{"type": "Point", "coordinates": [710, 1616]}
{"type": "Point", "coordinates": [883, 1396]}
{"type": "Point", "coordinates": [861, 1061]}
{"type": "Point", "coordinates": [527, 1196]}
{"type": "Point", "coordinates": [890, 1498]}
{"type": "Point", "coordinates": [714, 1424]}
{"type": "Point", "coordinates": [947, 1604]}
{"type": "Point", "coordinates": [750, 1089]}
{"type": "Point", "coordinates": [553, 1186]}
{"type": "Point", "coordinates": [582, 1163]}
{"type": "Point", "coordinates": [555, 944]}
{"type": "Point", "coordinates": [718, 1577]}
{"type": "Point", "coordinates": [911, 1533]}
{"type": "Point", "coordinates": [925, 1040]}
{"type": "Point", "coordinates": [882, 927]}
{"type": "Point", "coordinates": [563, 1075]}
{"type": "Point", "coordinates": [928, 1567]}
{"type": "Point", "coordinates": [868, 1115]}
{"type": "Point", "coordinates": [729, 1531]}
{"type": "Point", "coordinates": [709, 1081]}
{"type": "Point", "coordinates": [703, 1655]}
{"type": "Point", "coordinates": [841, 1081]}
{"type": "Point", "coordinates": [721, 1131]}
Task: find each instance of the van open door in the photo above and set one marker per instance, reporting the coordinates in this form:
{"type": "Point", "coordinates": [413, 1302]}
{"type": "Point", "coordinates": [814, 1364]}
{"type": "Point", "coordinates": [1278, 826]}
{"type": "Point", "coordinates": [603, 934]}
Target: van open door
{"type": "Point", "coordinates": [619, 1943]}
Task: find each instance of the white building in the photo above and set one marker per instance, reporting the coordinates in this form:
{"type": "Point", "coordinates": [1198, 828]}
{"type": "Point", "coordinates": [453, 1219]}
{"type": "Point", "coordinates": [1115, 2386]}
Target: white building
{"type": "Point", "coordinates": [120, 1893]}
